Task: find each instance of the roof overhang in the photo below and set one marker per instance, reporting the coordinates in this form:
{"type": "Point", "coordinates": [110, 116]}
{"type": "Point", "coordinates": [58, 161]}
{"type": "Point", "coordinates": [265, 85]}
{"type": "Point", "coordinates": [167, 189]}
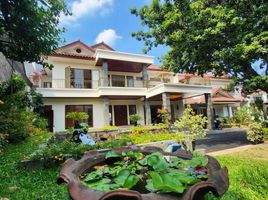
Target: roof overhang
{"type": "Point", "coordinates": [120, 61]}
{"type": "Point", "coordinates": [177, 88]}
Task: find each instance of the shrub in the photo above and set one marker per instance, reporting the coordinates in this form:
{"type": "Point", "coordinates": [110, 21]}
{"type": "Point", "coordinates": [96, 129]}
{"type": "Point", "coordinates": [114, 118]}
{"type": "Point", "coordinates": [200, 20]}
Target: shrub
{"type": "Point", "coordinates": [16, 119]}
{"type": "Point", "coordinates": [134, 118]}
{"type": "Point", "coordinates": [192, 125]}
{"type": "Point", "coordinates": [77, 116]}
{"type": "Point", "coordinates": [265, 132]}
{"type": "Point", "coordinates": [139, 138]}
{"type": "Point", "coordinates": [255, 133]}
{"type": "Point", "coordinates": [107, 128]}
{"type": "Point", "coordinates": [141, 129]}
{"type": "Point", "coordinates": [59, 150]}
{"type": "Point", "coordinates": [164, 115]}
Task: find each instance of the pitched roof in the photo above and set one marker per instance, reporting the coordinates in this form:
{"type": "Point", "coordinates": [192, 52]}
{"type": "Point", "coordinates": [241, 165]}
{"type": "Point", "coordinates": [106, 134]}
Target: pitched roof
{"type": "Point", "coordinates": [224, 97]}
{"type": "Point", "coordinates": [75, 43]}
{"type": "Point", "coordinates": [102, 44]}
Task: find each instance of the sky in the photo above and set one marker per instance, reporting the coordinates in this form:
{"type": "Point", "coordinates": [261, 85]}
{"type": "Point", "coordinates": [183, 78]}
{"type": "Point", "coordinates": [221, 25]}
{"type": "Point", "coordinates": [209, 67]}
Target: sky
{"type": "Point", "coordinates": [94, 21]}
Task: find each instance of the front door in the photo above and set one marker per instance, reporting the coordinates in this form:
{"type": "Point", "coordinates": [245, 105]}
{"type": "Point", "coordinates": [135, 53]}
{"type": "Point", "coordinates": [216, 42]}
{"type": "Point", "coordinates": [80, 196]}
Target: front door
{"type": "Point", "coordinates": [120, 115]}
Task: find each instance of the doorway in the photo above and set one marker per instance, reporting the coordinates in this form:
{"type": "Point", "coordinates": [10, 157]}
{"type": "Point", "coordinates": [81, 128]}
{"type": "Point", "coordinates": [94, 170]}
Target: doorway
{"type": "Point", "coordinates": [154, 115]}
{"type": "Point", "coordinates": [120, 115]}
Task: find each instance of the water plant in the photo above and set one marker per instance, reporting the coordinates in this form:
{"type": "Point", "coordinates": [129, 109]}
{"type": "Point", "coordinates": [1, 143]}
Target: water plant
{"type": "Point", "coordinates": [148, 173]}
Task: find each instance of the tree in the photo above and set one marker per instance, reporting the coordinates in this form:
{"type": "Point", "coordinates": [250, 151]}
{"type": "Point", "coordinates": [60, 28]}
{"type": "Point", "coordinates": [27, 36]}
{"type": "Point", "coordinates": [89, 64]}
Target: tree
{"type": "Point", "coordinates": [29, 28]}
{"type": "Point", "coordinates": [222, 37]}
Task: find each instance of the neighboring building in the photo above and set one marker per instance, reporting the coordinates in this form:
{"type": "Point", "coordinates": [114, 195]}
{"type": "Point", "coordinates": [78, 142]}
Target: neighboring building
{"type": "Point", "coordinates": [110, 86]}
{"type": "Point", "coordinates": [260, 96]}
{"type": "Point", "coordinates": [224, 102]}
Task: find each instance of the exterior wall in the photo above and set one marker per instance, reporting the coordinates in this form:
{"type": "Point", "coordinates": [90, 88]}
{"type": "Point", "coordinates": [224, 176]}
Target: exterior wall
{"type": "Point", "coordinates": [58, 106]}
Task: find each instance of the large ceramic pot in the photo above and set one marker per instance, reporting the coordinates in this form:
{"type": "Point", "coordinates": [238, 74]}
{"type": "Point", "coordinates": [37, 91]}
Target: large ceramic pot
{"type": "Point", "coordinates": [217, 183]}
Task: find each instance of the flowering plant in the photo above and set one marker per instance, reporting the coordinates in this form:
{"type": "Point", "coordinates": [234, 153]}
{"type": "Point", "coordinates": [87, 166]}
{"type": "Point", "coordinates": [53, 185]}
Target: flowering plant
{"type": "Point", "coordinates": [164, 115]}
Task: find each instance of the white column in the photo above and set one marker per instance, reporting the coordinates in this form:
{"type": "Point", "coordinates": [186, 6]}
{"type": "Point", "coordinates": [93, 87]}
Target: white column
{"type": "Point", "coordinates": [230, 111]}
{"type": "Point", "coordinates": [59, 117]}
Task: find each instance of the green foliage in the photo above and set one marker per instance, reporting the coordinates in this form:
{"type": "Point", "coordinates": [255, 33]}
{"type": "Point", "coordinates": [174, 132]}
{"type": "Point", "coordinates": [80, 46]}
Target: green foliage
{"type": "Point", "coordinates": [17, 181]}
{"type": "Point", "coordinates": [247, 177]}
{"type": "Point", "coordinates": [107, 128]}
{"type": "Point", "coordinates": [159, 174]}
{"type": "Point", "coordinates": [59, 150]}
{"type": "Point", "coordinates": [77, 116]}
{"type": "Point", "coordinates": [242, 116]}
{"type": "Point", "coordinates": [265, 132]}
{"type": "Point", "coordinates": [147, 137]}
{"type": "Point", "coordinates": [16, 119]}
{"type": "Point", "coordinates": [192, 124]}
{"type": "Point", "coordinates": [255, 133]}
{"type": "Point", "coordinates": [30, 28]}
{"type": "Point", "coordinates": [223, 37]}
{"type": "Point", "coordinates": [164, 115]}
{"type": "Point", "coordinates": [134, 118]}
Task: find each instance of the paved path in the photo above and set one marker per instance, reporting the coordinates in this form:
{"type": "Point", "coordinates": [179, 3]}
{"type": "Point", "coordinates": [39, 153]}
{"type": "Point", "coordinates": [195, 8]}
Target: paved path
{"type": "Point", "coordinates": [224, 139]}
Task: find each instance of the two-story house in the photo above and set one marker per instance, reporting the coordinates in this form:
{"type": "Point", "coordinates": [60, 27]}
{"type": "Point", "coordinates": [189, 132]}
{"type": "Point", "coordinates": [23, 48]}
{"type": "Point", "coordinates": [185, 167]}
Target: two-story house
{"type": "Point", "coordinates": [110, 86]}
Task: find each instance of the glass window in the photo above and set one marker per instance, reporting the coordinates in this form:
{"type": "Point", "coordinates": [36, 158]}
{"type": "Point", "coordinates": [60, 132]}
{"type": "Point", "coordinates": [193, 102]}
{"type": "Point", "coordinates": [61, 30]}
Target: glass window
{"type": "Point", "coordinates": [118, 81]}
{"type": "Point", "coordinates": [79, 108]}
{"type": "Point", "coordinates": [132, 111]}
{"type": "Point", "coordinates": [79, 78]}
{"type": "Point", "coordinates": [130, 81]}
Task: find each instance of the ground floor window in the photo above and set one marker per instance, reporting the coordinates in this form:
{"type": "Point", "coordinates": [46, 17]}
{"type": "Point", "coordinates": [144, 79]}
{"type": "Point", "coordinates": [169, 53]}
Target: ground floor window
{"type": "Point", "coordinates": [79, 108]}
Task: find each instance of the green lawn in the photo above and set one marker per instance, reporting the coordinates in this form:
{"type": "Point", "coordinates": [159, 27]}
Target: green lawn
{"type": "Point", "coordinates": [248, 176]}
{"type": "Point", "coordinates": [17, 183]}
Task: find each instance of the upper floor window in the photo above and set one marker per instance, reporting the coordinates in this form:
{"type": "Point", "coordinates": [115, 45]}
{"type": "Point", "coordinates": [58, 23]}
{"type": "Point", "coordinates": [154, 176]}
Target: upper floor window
{"type": "Point", "coordinates": [78, 78]}
{"type": "Point", "coordinates": [121, 81]}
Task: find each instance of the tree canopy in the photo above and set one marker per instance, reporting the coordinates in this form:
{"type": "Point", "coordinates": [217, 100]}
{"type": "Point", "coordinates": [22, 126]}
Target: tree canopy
{"type": "Point", "coordinates": [29, 28]}
{"type": "Point", "coordinates": [222, 37]}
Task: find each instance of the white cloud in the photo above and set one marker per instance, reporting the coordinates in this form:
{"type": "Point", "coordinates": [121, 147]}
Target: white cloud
{"type": "Point", "coordinates": [108, 36]}
{"type": "Point", "coordinates": [80, 8]}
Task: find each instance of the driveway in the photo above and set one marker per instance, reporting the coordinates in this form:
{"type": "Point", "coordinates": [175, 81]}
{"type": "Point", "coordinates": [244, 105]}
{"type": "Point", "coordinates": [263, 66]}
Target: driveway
{"type": "Point", "coordinates": [220, 140]}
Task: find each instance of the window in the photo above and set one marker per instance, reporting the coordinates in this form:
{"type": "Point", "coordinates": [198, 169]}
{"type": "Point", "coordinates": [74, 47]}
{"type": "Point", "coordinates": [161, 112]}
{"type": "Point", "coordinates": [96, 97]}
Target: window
{"type": "Point", "coordinates": [130, 81]}
{"type": "Point", "coordinates": [78, 78]}
{"type": "Point", "coordinates": [78, 50]}
{"type": "Point", "coordinates": [111, 114]}
{"type": "Point", "coordinates": [118, 81]}
{"type": "Point", "coordinates": [79, 108]}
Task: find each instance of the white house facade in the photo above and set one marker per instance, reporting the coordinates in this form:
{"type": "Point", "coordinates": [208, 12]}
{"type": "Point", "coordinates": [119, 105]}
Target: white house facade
{"type": "Point", "coordinates": [110, 86]}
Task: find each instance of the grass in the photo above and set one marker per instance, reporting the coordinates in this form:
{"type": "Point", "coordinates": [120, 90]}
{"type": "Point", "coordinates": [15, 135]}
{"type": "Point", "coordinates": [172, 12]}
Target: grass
{"type": "Point", "coordinates": [248, 172]}
{"type": "Point", "coordinates": [20, 183]}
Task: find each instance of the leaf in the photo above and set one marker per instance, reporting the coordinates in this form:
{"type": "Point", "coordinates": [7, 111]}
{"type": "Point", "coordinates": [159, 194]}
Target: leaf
{"type": "Point", "coordinates": [112, 154]}
{"type": "Point", "coordinates": [121, 177]}
{"type": "Point", "coordinates": [164, 183]}
{"type": "Point", "coordinates": [95, 175]}
{"type": "Point", "coordinates": [100, 185]}
{"type": "Point", "coordinates": [131, 181]}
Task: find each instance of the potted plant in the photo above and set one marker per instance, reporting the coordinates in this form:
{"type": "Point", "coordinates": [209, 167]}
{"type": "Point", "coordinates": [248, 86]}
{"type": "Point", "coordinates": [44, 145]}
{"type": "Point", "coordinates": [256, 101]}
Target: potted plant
{"type": "Point", "coordinates": [134, 119]}
{"type": "Point", "coordinates": [77, 117]}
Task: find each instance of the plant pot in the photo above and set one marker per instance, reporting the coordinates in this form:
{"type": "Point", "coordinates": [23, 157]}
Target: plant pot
{"type": "Point", "coordinates": [217, 183]}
